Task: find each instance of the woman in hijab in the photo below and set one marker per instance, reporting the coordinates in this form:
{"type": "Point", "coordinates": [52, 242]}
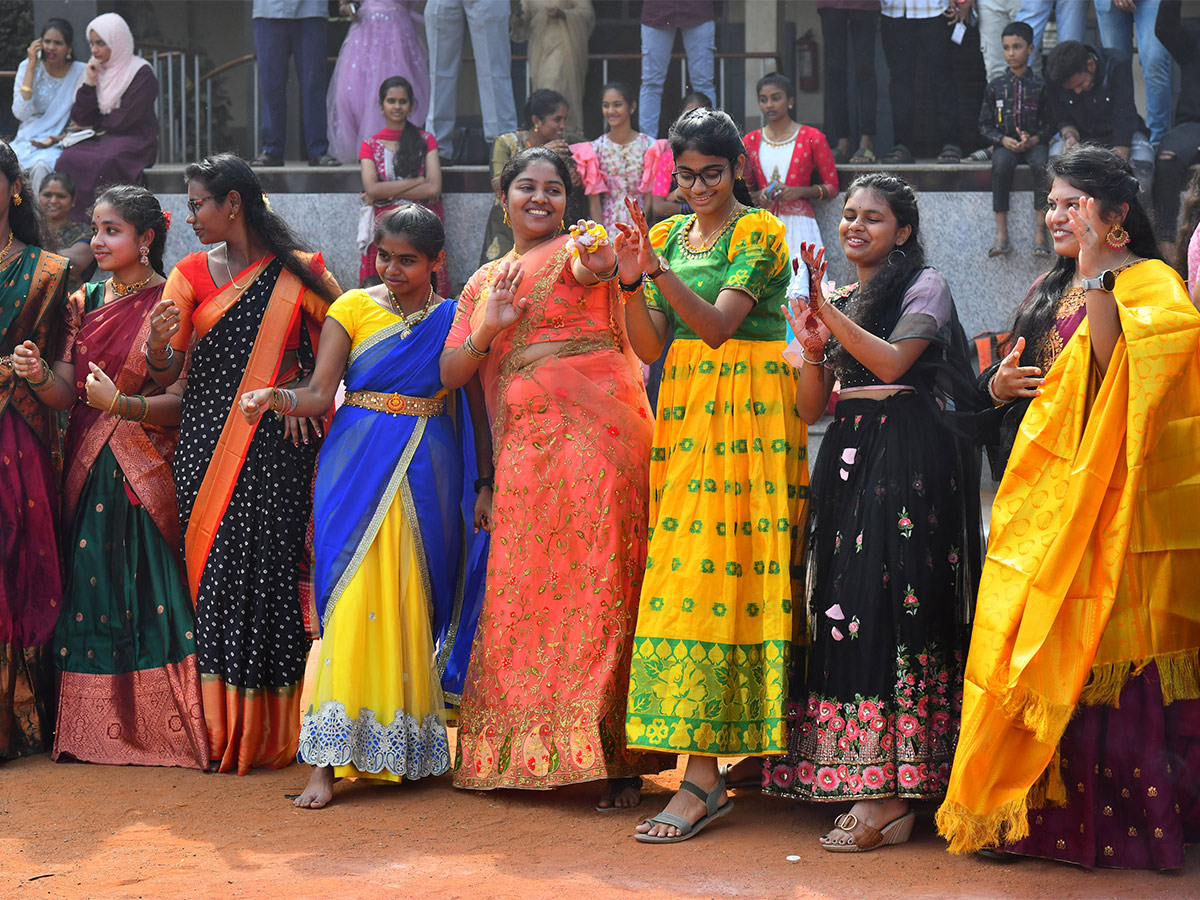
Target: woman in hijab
{"type": "Point", "coordinates": [116, 101]}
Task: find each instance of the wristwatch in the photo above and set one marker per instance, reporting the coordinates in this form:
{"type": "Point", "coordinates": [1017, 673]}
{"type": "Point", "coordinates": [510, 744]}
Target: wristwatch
{"type": "Point", "coordinates": [1103, 282]}
{"type": "Point", "coordinates": [663, 266]}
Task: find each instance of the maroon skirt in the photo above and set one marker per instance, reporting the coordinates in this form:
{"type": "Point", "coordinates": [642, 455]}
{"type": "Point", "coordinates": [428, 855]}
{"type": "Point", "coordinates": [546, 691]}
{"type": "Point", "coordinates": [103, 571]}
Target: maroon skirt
{"type": "Point", "coordinates": [30, 588]}
{"type": "Point", "coordinates": [1132, 774]}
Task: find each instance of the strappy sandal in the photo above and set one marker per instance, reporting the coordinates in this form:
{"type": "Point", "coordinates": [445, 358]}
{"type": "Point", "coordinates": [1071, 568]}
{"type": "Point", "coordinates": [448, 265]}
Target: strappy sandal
{"type": "Point", "coordinates": [615, 787]}
{"type": "Point", "coordinates": [864, 838]}
{"type": "Point", "coordinates": [863, 156]}
{"type": "Point", "coordinates": [688, 830]}
{"type": "Point", "coordinates": [1001, 248]}
{"type": "Point", "coordinates": [899, 155]}
{"type": "Point", "coordinates": [750, 781]}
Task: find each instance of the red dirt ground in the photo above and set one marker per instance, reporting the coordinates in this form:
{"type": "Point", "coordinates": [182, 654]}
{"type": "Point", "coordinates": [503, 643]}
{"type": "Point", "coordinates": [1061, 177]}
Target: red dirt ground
{"type": "Point", "coordinates": [83, 831]}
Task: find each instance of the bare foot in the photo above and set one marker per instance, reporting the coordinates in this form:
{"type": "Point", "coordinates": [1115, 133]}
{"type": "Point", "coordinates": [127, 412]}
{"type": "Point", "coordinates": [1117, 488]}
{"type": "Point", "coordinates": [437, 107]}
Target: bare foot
{"type": "Point", "coordinates": [876, 813]}
{"type": "Point", "coordinates": [684, 804]}
{"type": "Point", "coordinates": [621, 793]}
{"type": "Point", "coordinates": [319, 790]}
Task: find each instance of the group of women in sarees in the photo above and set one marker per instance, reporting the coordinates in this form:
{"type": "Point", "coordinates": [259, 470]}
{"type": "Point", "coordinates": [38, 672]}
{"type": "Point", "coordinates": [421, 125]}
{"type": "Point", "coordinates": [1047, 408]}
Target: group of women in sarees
{"type": "Point", "coordinates": [505, 535]}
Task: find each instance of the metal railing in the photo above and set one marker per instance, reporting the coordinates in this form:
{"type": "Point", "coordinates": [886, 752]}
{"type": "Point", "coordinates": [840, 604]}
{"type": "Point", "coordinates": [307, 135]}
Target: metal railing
{"type": "Point", "coordinates": [185, 97]}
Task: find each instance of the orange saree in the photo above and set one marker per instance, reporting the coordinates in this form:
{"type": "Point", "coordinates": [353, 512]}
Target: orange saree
{"type": "Point", "coordinates": [544, 701]}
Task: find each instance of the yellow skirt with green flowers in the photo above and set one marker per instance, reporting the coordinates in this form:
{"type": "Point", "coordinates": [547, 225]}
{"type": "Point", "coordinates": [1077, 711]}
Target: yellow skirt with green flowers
{"type": "Point", "coordinates": [729, 481]}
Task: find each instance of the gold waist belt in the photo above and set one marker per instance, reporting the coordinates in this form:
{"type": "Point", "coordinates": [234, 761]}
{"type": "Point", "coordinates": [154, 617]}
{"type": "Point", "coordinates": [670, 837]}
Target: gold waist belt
{"type": "Point", "coordinates": [397, 404]}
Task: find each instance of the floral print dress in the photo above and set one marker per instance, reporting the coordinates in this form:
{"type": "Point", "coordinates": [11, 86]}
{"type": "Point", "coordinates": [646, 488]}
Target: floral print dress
{"type": "Point", "coordinates": [622, 166]}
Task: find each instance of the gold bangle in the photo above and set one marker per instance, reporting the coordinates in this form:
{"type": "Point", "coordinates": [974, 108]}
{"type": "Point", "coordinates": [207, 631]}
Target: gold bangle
{"type": "Point", "coordinates": [45, 380]}
{"type": "Point", "coordinates": [472, 351]}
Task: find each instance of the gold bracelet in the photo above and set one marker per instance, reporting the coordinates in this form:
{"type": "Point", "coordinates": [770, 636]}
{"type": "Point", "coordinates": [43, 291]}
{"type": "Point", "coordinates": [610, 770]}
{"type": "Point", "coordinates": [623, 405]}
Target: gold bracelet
{"type": "Point", "coordinates": [46, 380]}
{"type": "Point", "coordinates": [116, 401]}
{"type": "Point", "coordinates": [472, 351]}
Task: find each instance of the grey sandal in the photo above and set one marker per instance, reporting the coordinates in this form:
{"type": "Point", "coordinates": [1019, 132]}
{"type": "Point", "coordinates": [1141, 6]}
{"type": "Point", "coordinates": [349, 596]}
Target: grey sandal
{"type": "Point", "coordinates": [688, 830]}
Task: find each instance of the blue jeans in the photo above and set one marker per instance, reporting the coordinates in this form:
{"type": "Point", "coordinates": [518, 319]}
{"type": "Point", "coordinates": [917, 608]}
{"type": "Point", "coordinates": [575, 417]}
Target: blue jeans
{"type": "Point", "coordinates": [1116, 34]}
{"type": "Point", "coordinates": [1070, 17]}
{"type": "Point", "coordinates": [699, 42]}
{"type": "Point", "coordinates": [304, 41]}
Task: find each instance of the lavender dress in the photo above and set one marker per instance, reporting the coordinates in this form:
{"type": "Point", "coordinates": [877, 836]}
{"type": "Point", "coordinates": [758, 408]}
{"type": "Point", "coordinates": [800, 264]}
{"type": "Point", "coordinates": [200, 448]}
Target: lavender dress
{"type": "Point", "coordinates": [388, 39]}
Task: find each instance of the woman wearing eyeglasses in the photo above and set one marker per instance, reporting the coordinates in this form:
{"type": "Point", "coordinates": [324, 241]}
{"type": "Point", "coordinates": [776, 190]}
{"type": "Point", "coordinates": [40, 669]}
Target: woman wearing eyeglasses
{"type": "Point", "coordinates": [727, 473]}
{"type": "Point", "coordinates": [256, 304]}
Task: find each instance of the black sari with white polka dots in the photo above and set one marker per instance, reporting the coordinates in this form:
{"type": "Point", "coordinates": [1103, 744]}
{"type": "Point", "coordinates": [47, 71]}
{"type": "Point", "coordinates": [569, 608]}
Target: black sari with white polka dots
{"type": "Point", "coordinates": [250, 634]}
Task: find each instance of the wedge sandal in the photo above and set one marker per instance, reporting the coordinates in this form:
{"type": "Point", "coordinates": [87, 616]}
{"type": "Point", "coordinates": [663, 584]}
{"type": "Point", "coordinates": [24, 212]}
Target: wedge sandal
{"type": "Point", "coordinates": [863, 837]}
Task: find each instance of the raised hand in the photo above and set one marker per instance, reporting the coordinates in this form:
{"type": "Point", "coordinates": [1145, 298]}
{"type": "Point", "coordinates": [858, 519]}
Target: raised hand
{"type": "Point", "coordinates": [254, 403]}
{"type": "Point", "coordinates": [164, 324]}
{"type": "Point", "coordinates": [504, 308]}
{"type": "Point", "coordinates": [596, 254]}
{"type": "Point", "coordinates": [1013, 381]}
{"type": "Point", "coordinates": [814, 260]}
{"type": "Point", "coordinates": [1086, 223]}
{"type": "Point", "coordinates": [100, 388]}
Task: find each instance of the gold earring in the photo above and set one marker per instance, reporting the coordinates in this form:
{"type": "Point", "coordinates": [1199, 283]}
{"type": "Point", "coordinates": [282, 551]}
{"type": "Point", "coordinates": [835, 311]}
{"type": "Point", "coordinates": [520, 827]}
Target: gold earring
{"type": "Point", "coordinates": [232, 214]}
{"type": "Point", "coordinates": [507, 220]}
{"type": "Point", "coordinates": [1117, 237]}
{"type": "Point", "coordinates": [17, 201]}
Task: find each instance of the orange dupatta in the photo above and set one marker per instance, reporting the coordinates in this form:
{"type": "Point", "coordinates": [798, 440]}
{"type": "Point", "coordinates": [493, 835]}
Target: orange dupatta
{"type": "Point", "coordinates": [262, 369]}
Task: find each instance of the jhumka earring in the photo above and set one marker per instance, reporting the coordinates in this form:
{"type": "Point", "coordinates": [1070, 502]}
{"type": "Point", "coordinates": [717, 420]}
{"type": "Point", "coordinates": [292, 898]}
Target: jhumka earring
{"type": "Point", "coordinates": [1117, 237]}
{"type": "Point", "coordinates": [17, 201]}
{"type": "Point", "coordinates": [507, 220]}
{"type": "Point", "coordinates": [144, 256]}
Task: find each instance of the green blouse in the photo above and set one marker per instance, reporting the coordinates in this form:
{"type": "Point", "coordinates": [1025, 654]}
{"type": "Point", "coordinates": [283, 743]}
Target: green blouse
{"type": "Point", "coordinates": [751, 255]}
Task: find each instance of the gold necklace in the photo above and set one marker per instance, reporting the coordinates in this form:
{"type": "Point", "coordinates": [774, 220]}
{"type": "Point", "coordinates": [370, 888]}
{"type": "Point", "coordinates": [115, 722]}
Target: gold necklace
{"type": "Point", "coordinates": [229, 272]}
{"type": "Point", "coordinates": [7, 246]}
{"type": "Point", "coordinates": [407, 322]}
{"type": "Point", "coordinates": [121, 290]}
{"type": "Point", "coordinates": [708, 243]}
{"type": "Point", "coordinates": [780, 143]}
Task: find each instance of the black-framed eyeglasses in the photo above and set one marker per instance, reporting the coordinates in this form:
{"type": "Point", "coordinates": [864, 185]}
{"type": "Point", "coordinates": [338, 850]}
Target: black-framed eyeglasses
{"type": "Point", "coordinates": [194, 205]}
{"type": "Point", "coordinates": [710, 177]}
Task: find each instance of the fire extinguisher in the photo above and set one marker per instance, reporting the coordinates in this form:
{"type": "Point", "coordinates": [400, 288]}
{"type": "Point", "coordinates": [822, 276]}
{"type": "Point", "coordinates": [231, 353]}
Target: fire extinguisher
{"type": "Point", "coordinates": [808, 64]}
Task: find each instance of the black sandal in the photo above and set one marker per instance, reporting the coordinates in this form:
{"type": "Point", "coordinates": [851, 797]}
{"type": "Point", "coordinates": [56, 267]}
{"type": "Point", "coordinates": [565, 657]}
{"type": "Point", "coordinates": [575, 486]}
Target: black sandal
{"type": "Point", "coordinates": [899, 155]}
{"type": "Point", "coordinates": [950, 154]}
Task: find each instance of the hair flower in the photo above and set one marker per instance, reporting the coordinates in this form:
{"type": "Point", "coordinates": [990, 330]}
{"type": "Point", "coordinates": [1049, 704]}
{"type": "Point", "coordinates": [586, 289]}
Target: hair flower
{"type": "Point", "coordinates": [167, 219]}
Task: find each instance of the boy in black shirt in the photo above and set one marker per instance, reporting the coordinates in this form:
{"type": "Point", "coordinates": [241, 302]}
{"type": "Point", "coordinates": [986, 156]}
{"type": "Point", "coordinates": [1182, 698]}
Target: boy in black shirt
{"type": "Point", "coordinates": [1013, 117]}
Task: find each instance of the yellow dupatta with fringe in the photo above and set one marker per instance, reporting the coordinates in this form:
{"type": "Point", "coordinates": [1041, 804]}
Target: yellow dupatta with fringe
{"type": "Point", "coordinates": [1093, 566]}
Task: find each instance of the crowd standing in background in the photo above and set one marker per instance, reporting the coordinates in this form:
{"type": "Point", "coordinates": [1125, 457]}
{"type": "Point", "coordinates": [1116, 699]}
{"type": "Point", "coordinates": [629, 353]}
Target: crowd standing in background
{"type": "Point", "coordinates": [570, 510]}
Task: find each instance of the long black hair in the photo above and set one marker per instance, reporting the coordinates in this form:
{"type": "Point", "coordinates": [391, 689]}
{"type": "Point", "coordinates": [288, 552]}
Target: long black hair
{"type": "Point", "coordinates": [542, 103]}
{"type": "Point", "coordinates": [874, 301]}
{"type": "Point", "coordinates": [24, 218]}
{"type": "Point", "coordinates": [141, 209]}
{"type": "Point", "coordinates": [410, 149]}
{"type": "Point", "coordinates": [1189, 220]}
{"type": "Point", "coordinates": [1099, 173]}
{"type": "Point", "coordinates": [712, 133]}
{"type": "Point", "coordinates": [226, 172]}
{"type": "Point", "coordinates": [519, 162]}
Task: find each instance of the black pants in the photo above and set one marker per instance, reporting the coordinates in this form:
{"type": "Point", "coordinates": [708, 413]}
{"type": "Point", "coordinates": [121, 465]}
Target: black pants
{"type": "Point", "coordinates": [904, 40]}
{"type": "Point", "coordinates": [1169, 175]}
{"type": "Point", "coordinates": [1004, 166]}
{"type": "Point", "coordinates": [858, 27]}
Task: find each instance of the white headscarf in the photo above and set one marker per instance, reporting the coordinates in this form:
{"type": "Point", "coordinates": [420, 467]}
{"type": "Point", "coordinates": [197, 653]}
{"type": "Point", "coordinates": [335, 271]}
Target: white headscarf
{"type": "Point", "coordinates": [116, 74]}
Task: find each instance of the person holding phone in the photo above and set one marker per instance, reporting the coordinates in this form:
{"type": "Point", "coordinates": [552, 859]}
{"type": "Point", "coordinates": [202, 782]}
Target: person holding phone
{"type": "Point", "coordinates": [43, 92]}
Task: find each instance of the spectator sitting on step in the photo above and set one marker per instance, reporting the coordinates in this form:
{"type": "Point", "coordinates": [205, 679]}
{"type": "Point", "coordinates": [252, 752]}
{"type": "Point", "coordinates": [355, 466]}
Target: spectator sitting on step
{"type": "Point", "coordinates": [116, 100]}
{"type": "Point", "coordinates": [1013, 119]}
{"type": "Point", "coordinates": [1090, 95]}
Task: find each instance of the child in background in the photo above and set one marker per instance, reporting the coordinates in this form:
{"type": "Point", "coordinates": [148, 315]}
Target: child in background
{"type": "Point", "coordinates": [621, 154]}
{"type": "Point", "coordinates": [1013, 117]}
